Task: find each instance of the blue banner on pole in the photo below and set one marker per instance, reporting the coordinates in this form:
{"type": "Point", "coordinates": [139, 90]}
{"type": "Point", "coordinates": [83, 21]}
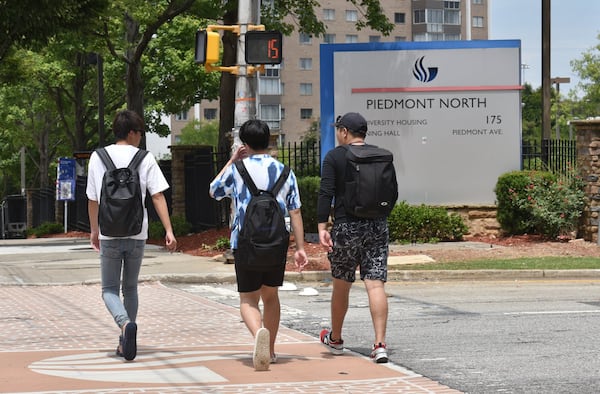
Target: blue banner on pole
{"type": "Point", "coordinates": [65, 179]}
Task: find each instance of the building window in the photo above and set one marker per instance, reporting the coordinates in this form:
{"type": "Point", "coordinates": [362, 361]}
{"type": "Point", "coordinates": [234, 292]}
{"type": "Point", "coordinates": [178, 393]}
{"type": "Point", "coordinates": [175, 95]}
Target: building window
{"type": "Point", "coordinates": [452, 17]}
{"type": "Point", "coordinates": [270, 87]}
{"type": "Point", "coordinates": [399, 18]}
{"type": "Point", "coordinates": [428, 37]}
{"type": "Point", "coordinates": [435, 16]}
{"type": "Point", "coordinates": [271, 114]}
{"type": "Point", "coordinates": [351, 16]}
{"type": "Point", "coordinates": [210, 113]}
{"type": "Point", "coordinates": [477, 1]}
{"type": "Point", "coordinates": [419, 16]}
{"type": "Point", "coordinates": [328, 14]}
{"type": "Point", "coordinates": [452, 4]}
{"type": "Point", "coordinates": [305, 39]}
{"type": "Point", "coordinates": [478, 21]}
{"type": "Point", "coordinates": [452, 37]}
{"type": "Point", "coordinates": [329, 38]}
{"type": "Point", "coordinates": [400, 38]}
{"type": "Point", "coordinates": [271, 71]}
{"type": "Point", "coordinates": [305, 63]}
{"type": "Point", "coordinates": [351, 38]}
{"type": "Point", "coordinates": [181, 116]}
{"type": "Point", "coordinates": [435, 28]}
{"type": "Point", "coordinates": [374, 38]}
{"type": "Point", "coordinates": [306, 113]}
{"type": "Point", "coordinates": [306, 89]}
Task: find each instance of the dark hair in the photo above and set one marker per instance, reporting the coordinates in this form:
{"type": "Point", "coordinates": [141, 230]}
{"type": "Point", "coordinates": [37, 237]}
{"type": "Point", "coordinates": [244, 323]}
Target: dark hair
{"type": "Point", "coordinates": [124, 122]}
{"type": "Point", "coordinates": [256, 134]}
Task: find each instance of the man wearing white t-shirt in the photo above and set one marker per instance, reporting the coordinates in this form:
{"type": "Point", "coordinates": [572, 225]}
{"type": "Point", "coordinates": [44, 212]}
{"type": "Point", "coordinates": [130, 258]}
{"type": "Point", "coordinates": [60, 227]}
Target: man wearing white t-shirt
{"type": "Point", "coordinates": [125, 253]}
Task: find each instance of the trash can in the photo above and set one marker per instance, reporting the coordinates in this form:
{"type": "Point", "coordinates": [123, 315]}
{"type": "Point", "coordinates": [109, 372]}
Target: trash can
{"type": "Point", "coordinates": [14, 216]}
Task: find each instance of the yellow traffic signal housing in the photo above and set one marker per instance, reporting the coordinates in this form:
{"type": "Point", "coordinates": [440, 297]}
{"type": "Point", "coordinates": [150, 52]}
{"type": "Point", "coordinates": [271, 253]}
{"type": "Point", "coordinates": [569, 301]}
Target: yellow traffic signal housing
{"type": "Point", "coordinates": [208, 47]}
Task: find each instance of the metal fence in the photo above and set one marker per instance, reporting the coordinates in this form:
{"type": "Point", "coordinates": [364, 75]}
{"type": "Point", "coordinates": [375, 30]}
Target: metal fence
{"type": "Point", "coordinates": [557, 156]}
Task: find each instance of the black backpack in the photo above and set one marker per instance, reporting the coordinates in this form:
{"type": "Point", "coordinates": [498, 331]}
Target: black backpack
{"type": "Point", "coordinates": [121, 211]}
{"type": "Point", "coordinates": [371, 187]}
{"type": "Point", "coordinates": [263, 239]}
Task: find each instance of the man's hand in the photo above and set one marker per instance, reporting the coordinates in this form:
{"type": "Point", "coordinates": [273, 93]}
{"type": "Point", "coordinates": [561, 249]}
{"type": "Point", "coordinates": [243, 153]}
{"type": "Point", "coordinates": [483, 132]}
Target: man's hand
{"type": "Point", "coordinates": [325, 240]}
{"type": "Point", "coordinates": [300, 259]}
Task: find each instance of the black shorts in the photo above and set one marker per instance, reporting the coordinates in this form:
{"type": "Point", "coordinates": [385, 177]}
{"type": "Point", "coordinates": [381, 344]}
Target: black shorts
{"type": "Point", "coordinates": [250, 280]}
{"type": "Point", "coordinates": [363, 244]}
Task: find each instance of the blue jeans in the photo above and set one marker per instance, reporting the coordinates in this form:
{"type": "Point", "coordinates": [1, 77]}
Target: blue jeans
{"type": "Point", "coordinates": [117, 254]}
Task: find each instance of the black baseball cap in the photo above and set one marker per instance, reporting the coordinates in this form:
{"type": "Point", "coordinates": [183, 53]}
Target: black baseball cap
{"type": "Point", "coordinates": [352, 121]}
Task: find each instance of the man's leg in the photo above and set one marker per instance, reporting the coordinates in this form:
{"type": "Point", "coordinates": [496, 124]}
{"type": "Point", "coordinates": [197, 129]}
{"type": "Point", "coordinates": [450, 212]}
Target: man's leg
{"type": "Point", "coordinates": [251, 315]}
{"type": "Point", "coordinates": [378, 305]}
{"type": "Point", "coordinates": [272, 313]}
{"type": "Point", "coordinates": [339, 306]}
{"type": "Point", "coordinates": [250, 311]}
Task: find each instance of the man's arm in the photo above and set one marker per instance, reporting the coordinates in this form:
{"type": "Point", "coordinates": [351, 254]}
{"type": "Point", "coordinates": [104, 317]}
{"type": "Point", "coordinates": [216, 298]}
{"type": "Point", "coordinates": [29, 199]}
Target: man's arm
{"type": "Point", "coordinates": [300, 257]}
{"type": "Point", "coordinates": [160, 205]}
{"type": "Point", "coordinates": [94, 229]}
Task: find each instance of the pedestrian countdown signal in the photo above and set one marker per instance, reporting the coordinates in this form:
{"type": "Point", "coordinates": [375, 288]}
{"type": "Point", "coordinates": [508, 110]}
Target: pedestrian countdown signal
{"type": "Point", "coordinates": [263, 47]}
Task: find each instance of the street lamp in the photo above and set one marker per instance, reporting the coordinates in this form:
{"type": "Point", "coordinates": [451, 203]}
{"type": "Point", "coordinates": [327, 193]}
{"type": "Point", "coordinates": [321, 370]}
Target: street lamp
{"type": "Point", "coordinates": [558, 81]}
{"type": "Point", "coordinates": [523, 68]}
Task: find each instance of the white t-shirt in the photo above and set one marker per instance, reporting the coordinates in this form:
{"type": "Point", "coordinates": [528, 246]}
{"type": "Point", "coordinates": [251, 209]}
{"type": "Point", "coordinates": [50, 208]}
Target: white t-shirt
{"type": "Point", "coordinates": [151, 178]}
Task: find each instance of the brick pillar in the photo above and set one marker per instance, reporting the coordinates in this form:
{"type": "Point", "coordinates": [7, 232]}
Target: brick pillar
{"type": "Point", "coordinates": [178, 153]}
{"type": "Point", "coordinates": [588, 167]}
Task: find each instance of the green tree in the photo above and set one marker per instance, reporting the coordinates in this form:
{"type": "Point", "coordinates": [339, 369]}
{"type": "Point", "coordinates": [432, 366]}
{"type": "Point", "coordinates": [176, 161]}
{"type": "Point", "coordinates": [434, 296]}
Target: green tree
{"type": "Point", "coordinates": [200, 133]}
{"type": "Point", "coordinates": [531, 114]}
{"type": "Point", "coordinates": [130, 28]}
{"type": "Point", "coordinates": [26, 23]}
{"type": "Point", "coordinates": [29, 118]}
{"type": "Point", "coordinates": [588, 69]}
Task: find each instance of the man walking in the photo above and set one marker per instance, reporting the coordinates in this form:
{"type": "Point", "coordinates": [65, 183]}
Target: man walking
{"type": "Point", "coordinates": [125, 253]}
{"type": "Point", "coordinates": [353, 242]}
{"type": "Point", "coordinates": [254, 284]}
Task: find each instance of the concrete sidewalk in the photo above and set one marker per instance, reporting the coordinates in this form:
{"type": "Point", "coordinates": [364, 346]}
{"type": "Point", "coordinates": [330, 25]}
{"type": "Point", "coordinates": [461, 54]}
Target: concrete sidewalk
{"type": "Point", "coordinates": [60, 339]}
{"type": "Point", "coordinates": [56, 336]}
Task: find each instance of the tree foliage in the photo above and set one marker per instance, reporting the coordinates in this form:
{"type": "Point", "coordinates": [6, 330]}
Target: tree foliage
{"type": "Point", "coordinates": [31, 23]}
{"type": "Point", "coordinates": [200, 133]}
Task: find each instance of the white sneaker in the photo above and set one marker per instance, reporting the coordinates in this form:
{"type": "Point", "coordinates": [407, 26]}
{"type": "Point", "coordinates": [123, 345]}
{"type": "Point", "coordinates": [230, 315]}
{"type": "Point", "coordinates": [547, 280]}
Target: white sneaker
{"type": "Point", "coordinates": [261, 358]}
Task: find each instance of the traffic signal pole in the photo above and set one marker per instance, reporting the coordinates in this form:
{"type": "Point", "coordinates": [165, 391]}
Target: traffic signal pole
{"type": "Point", "coordinates": [245, 86]}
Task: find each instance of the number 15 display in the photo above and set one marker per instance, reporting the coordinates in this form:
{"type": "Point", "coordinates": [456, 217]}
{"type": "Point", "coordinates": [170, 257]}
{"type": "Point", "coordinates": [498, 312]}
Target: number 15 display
{"type": "Point", "coordinates": [263, 47]}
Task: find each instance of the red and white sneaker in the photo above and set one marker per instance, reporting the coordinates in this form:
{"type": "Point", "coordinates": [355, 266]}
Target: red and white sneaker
{"type": "Point", "coordinates": [379, 353]}
{"type": "Point", "coordinates": [336, 347]}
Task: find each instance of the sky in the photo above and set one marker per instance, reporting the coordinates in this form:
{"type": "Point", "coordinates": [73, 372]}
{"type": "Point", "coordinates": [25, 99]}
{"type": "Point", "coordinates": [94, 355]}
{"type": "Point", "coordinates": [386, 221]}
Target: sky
{"type": "Point", "coordinates": [574, 29]}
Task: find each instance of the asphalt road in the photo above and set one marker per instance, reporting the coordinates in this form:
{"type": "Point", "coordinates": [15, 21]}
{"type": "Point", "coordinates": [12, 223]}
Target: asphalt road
{"type": "Point", "coordinates": [476, 337]}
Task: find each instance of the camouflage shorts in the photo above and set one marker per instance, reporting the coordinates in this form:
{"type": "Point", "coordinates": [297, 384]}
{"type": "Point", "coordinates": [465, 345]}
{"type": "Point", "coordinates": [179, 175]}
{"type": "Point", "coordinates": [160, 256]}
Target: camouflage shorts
{"type": "Point", "coordinates": [361, 244]}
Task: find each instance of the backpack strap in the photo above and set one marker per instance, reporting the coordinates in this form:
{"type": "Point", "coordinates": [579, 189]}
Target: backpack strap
{"type": "Point", "coordinates": [241, 167]}
{"type": "Point", "coordinates": [137, 159]}
{"type": "Point", "coordinates": [105, 158]}
{"type": "Point", "coordinates": [281, 180]}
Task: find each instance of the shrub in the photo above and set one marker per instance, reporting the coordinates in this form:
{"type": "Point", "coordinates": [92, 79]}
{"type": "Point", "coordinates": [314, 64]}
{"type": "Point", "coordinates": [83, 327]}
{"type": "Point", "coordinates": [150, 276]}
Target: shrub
{"type": "Point", "coordinates": [222, 243]}
{"type": "Point", "coordinates": [424, 224]}
{"type": "Point", "coordinates": [510, 188]}
{"type": "Point", "coordinates": [46, 228]}
{"type": "Point", "coordinates": [309, 193]}
{"type": "Point", "coordinates": [554, 206]}
{"type": "Point", "coordinates": [180, 227]}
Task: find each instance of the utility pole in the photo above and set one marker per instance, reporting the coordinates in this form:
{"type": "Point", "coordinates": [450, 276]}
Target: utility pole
{"type": "Point", "coordinates": [245, 87]}
{"type": "Point", "coordinates": [545, 78]}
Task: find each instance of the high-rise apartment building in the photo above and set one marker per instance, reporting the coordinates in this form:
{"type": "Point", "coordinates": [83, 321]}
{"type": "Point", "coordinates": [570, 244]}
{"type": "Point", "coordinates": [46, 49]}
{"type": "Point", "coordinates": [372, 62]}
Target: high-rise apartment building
{"type": "Point", "coordinates": [289, 95]}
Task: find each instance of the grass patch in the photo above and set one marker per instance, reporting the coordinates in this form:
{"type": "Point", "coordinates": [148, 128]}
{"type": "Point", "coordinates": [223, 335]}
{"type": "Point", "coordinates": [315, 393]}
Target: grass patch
{"type": "Point", "coordinates": [538, 263]}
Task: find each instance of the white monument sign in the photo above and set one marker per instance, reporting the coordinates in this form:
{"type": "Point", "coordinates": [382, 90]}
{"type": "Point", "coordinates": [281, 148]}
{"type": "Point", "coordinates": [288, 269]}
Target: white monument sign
{"type": "Point", "coordinates": [450, 111]}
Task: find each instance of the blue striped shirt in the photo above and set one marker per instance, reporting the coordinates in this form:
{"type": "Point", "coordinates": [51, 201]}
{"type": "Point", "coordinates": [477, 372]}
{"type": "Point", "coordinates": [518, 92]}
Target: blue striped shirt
{"type": "Point", "coordinates": [264, 171]}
